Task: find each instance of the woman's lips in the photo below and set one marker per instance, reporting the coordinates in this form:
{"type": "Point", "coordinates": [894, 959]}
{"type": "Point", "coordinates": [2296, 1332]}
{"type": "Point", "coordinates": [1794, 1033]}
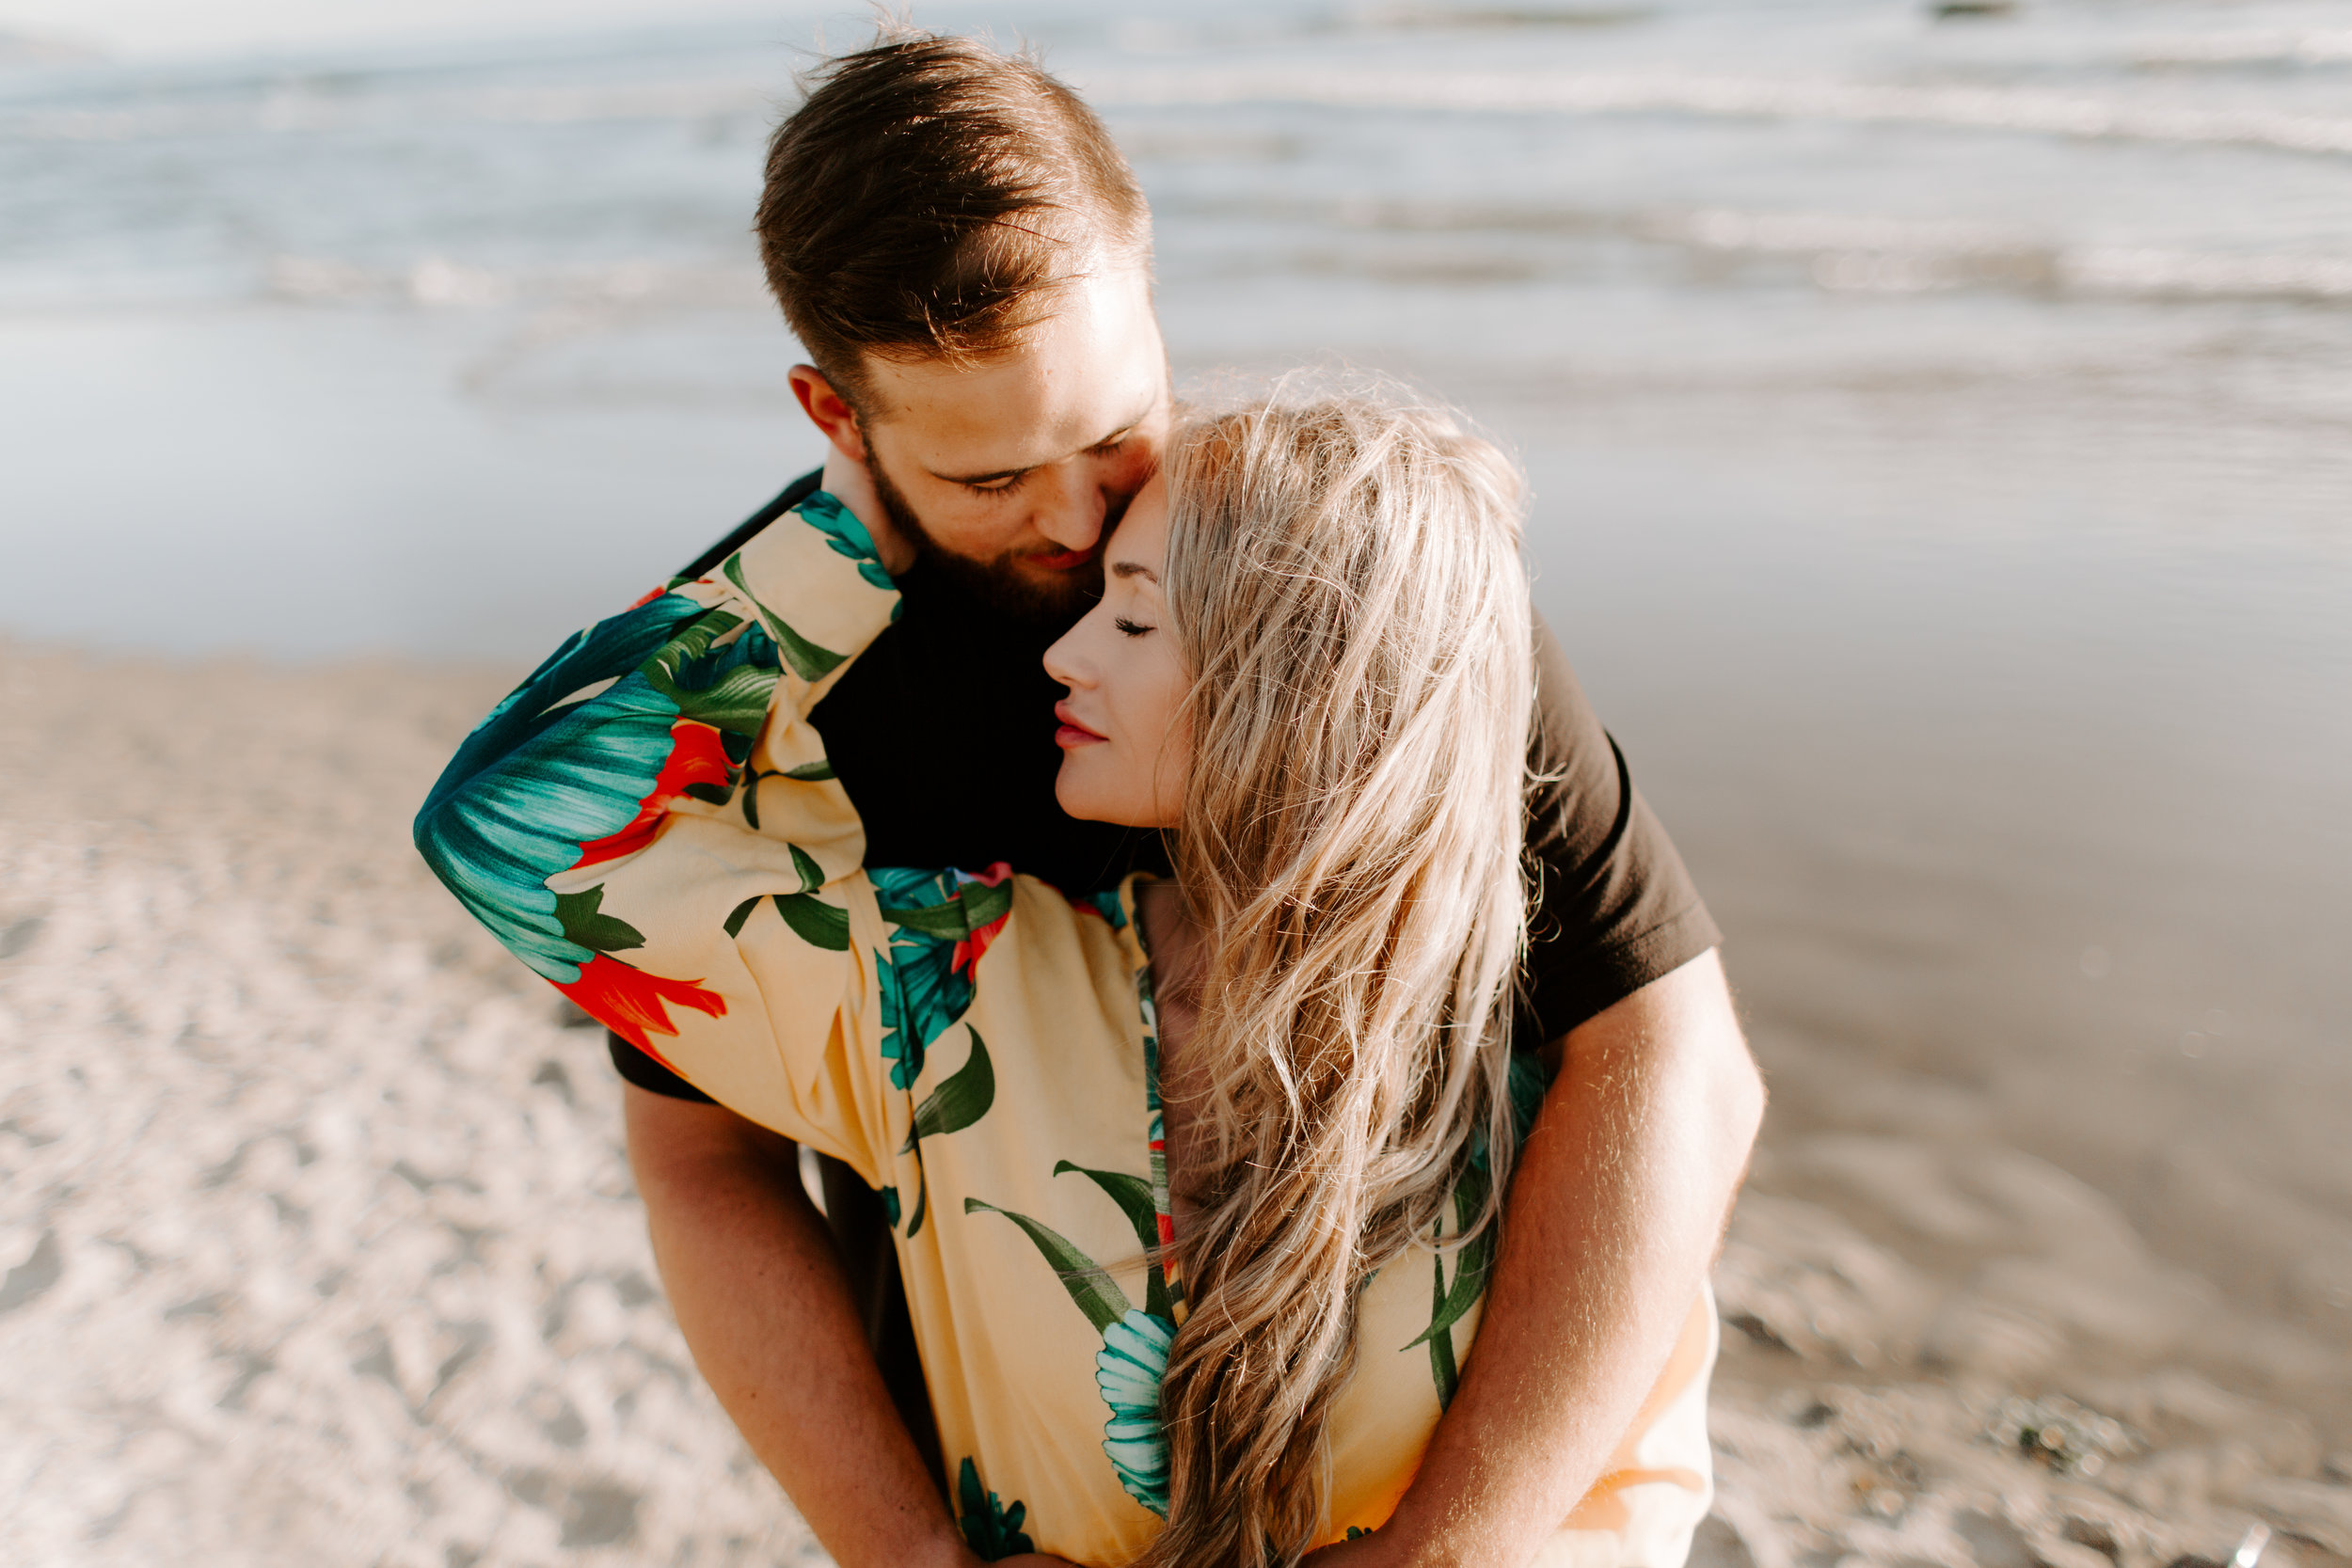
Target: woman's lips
{"type": "Point", "coordinates": [1072, 733]}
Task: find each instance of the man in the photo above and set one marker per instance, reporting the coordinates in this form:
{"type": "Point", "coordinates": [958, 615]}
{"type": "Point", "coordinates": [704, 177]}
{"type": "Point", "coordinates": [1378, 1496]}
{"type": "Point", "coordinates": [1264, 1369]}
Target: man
{"type": "Point", "coordinates": [957, 243]}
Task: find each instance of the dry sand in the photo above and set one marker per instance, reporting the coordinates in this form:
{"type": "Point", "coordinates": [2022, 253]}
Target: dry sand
{"type": "Point", "coordinates": [319, 1247]}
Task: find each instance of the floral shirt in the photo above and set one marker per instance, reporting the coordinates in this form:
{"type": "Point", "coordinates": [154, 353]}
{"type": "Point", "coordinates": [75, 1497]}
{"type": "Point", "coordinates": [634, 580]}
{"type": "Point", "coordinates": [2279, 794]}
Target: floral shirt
{"type": "Point", "coordinates": [649, 822]}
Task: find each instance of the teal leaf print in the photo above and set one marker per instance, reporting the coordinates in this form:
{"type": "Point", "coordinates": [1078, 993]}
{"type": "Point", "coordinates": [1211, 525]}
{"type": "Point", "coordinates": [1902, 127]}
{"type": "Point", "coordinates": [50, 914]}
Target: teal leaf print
{"type": "Point", "coordinates": [926, 972]}
{"type": "Point", "coordinates": [728, 687]}
{"type": "Point", "coordinates": [1128, 1371]}
{"type": "Point", "coordinates": [960, 1101]}
{"type": "Point", "coordinates": [1136, 1343]}
{"type": "Point", "coordinates": [1529, 1083]}
{"type": "Point", "coordinates": [585, 924]}
{"type": "Point", "coordinates": [809, 660]}
{"type": "Point", "coordinates": [1090, 1287]}
{"type": "Point", "coordinates": [824, 513]}
{"type": "Point", "coordinates": [545, 774]}
{"type": "Point", "coordinates": [890, 1205]}
{"type": "Point", "coordinates": [991, 1528]}
{"type": "Point", "coordinates": [1133, 1194]}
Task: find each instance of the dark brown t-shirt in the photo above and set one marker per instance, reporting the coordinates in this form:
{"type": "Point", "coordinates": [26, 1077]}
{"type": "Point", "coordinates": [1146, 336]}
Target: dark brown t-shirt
{"type": "Point", "coordinates": [960, 772]}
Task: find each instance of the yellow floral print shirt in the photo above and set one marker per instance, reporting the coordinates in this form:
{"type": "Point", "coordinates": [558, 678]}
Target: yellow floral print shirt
{"type": "Point", "coordinates": [649, 822]}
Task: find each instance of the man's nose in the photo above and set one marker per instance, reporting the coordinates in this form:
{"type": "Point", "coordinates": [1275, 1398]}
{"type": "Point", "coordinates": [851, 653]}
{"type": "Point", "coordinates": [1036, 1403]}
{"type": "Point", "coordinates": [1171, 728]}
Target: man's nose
{"type": "Point", "coordinates": [1074, 507]}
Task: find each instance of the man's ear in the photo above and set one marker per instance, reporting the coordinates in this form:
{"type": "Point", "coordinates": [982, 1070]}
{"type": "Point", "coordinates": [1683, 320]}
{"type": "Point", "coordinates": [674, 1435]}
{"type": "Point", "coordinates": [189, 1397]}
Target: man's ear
{"type": "Point", "coordinates": [828, 411]}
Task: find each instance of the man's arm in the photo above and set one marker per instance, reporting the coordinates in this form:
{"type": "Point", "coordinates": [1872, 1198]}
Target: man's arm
{"type": "Point", "coordinates": [760, 1296]}
{"type": "Point", "coordinates": [1616, 1208]}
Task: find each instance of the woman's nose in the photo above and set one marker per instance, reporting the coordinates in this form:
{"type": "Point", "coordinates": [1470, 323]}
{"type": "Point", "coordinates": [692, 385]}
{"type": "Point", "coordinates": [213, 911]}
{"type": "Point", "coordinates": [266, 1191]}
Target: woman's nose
{"type": "Point", "coordinates": [1058, 661]}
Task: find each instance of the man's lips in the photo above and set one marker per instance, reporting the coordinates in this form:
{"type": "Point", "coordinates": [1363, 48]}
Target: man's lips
{"type": "Point", "coordinates": [1072, 733]}
{"type": "Point", "coordinates": [1061, 561]}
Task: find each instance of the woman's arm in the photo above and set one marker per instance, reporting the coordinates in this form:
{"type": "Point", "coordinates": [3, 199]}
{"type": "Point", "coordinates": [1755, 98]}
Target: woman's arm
{"type": "Point", "coordinates": [1616, 1208]}
{"type": "Point", "coordinates": [650, 823]}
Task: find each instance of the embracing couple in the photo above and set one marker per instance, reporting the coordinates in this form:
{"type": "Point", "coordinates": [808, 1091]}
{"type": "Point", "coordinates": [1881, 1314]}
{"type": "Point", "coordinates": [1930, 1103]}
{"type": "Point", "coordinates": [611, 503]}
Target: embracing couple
{"type": "Point", "coordinates": [1277, 1097]}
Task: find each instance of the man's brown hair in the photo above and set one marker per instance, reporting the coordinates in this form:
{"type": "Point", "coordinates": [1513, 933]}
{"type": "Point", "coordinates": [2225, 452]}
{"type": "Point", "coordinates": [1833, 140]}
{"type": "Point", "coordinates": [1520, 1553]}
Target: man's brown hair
{"type": "Point", "coordinates": [926, 193]}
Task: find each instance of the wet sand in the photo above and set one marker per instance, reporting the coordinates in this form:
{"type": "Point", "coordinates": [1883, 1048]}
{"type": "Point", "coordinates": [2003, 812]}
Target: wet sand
{"type": "Point", "coordinates": [319, 1247]}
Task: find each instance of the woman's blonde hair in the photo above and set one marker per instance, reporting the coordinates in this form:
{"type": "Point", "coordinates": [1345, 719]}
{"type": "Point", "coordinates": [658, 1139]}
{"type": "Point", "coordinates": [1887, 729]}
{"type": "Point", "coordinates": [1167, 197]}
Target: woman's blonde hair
{"type": "Point", "coordinates": [1344, 579]}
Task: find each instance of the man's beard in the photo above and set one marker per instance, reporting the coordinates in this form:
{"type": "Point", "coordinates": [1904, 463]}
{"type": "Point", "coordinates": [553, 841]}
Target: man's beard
{"type": "Point", "coordinates": [1037, 600]}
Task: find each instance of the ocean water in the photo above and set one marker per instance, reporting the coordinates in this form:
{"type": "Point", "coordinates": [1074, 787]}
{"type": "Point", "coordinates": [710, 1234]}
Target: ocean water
{"type": "Point", "coordinates": [1939, 430]}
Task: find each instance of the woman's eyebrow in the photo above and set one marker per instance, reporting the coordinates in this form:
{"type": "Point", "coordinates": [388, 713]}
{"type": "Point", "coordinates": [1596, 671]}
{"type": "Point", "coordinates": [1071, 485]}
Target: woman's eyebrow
{"type": "Point", "coordinates": [1134, 569]}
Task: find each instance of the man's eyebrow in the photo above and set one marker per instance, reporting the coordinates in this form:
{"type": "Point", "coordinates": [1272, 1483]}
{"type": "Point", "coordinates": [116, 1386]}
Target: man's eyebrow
{"type": "Point", "coordinates": [1002, 475]}
{"type": "Point", "coordinates": [1134, 569]}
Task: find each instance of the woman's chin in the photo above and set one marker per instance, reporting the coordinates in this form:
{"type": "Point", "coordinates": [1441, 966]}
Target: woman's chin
{"type": "Point", "coordinates": [1079, 789]}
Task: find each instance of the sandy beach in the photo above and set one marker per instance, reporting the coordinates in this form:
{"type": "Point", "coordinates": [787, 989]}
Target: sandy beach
{"type": "Point", "coordinates": [319, 1248]}
{"type": "Point", "coordinates": [1941, 450]}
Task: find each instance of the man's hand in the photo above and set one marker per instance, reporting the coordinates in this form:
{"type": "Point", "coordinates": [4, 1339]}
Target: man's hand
{"type": "Point", "coordinates": [759, 1294]}
{"type": "Point", "coordinates": [845, 480]}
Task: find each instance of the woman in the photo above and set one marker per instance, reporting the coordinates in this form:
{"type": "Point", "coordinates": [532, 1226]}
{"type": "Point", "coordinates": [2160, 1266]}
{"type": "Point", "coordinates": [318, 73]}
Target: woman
{"type": "Point", "coordinates": [1192, 1182]}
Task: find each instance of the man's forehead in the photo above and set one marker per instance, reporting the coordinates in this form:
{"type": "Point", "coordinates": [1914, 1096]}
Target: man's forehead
{"type": "Point", "coordinates": [1083, 375]}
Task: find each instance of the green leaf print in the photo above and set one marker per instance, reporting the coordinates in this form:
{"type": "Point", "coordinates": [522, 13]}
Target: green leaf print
{"type": "Point", "coordinates": [1133, 1194]}
{"type": "Point", "coordinates": [962, 1099]}
{"type": "Point", "coordinates": [812, 874]}
{"type": "Point", "coordinates": [584, 924]}
{"type": "Point", "coordinates": [1136, 1343]}
{"type": "Point", "coordinates": [1475, 1259]}
{"type": "Point", "coordinates": [814, 921]}
{"type": "Point", "coordinates": [809, 660]}
{"type": "Point", "coordinates": [811, 772]}
{"type": "Point", "coordinates": [975, 905]}
{"type": "Point", "coordinates": [1471, 1263]}
{"type": "Point", "coordinates": [991, 1528]}
{"type": "Point", "coordinates": [1091, 1289]}
{"type": "Point", "coordinates": [922, 1198]}
{"type": "Point", "coordinates": [1442, 1371]}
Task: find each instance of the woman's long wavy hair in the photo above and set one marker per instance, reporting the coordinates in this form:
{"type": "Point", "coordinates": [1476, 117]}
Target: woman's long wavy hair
{"type": "Point", "coordinates": [1344, 579]}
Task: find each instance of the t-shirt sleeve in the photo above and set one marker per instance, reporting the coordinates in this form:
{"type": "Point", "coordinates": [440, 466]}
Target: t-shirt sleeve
{"type": "Point", "coordinates": [637, 1068]}
{"type": "Point", "coordinates": [1615, 908]}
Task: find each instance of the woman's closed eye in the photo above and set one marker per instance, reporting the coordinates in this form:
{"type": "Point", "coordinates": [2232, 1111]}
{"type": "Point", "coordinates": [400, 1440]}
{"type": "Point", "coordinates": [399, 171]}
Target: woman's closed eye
{"type": "Point", "coordinates": [1132, 628]}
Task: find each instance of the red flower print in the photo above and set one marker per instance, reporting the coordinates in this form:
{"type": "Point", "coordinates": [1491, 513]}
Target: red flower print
{"type": "Point", "coordinates": [630, 1002]}
{"type": "Point", "coordinates": [970, 950]}
{"type": "Point", "coordinates": [695, 757]}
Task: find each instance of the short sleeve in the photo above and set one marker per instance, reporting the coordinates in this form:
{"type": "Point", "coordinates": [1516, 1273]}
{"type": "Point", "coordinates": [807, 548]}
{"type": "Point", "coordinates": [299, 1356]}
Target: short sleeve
{"type": "Point", "coordinates": [1614, 908]}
